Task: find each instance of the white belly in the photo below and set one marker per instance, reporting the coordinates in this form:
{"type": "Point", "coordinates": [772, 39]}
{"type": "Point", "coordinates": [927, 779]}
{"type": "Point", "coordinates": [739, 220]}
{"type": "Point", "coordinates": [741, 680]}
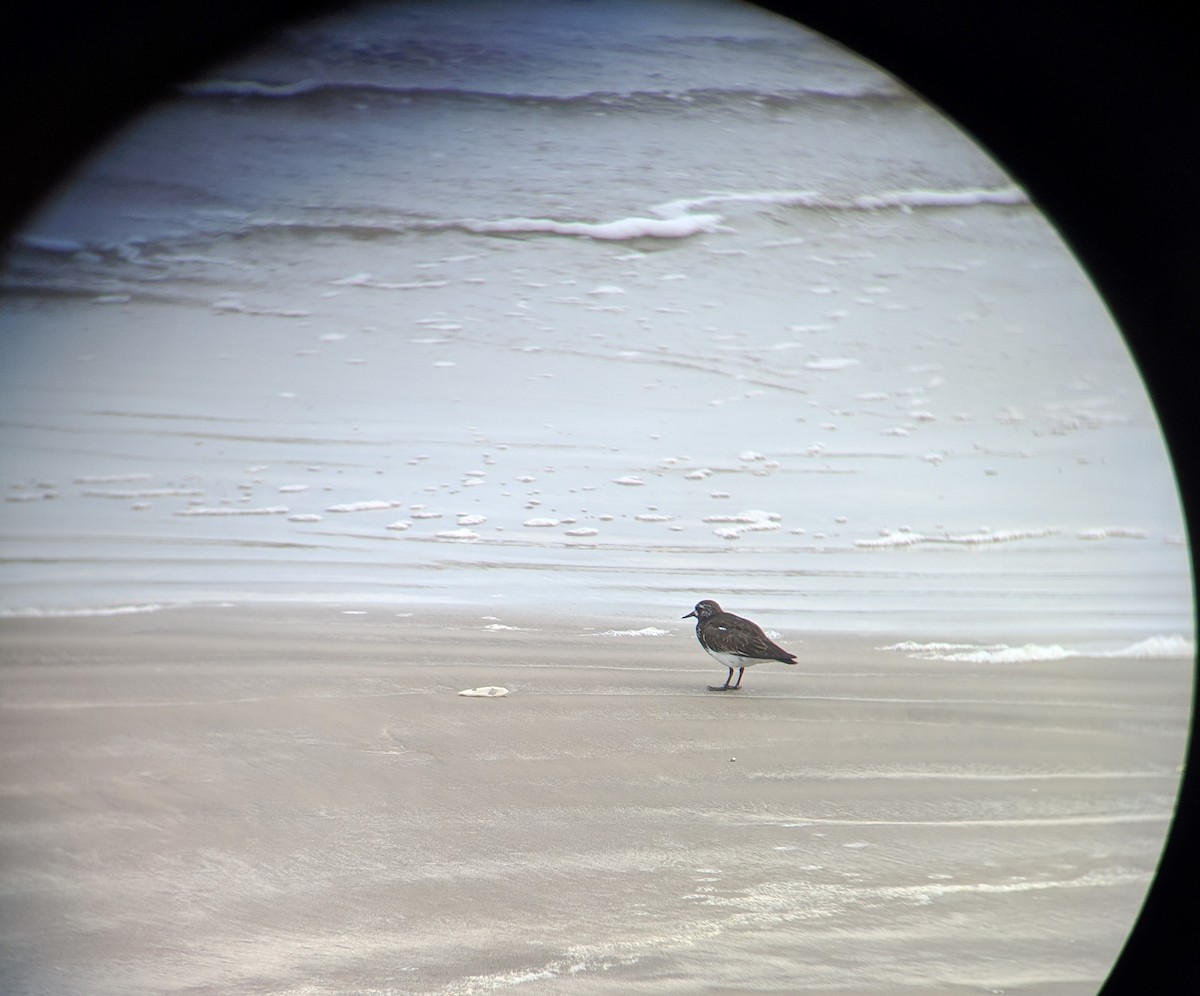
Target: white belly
{"type": "Point", "coordinates": [727, 659]}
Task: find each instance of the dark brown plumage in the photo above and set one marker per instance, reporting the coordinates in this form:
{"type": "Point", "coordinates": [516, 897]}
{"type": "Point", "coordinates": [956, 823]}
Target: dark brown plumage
{"type": "Point", "coordinates": [734, 642]}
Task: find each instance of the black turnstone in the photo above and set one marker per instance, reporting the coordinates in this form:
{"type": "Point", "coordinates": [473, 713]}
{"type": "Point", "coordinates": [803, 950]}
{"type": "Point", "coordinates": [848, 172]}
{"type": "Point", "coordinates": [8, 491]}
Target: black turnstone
{"type": "Point", "coordinates": [734, 641]}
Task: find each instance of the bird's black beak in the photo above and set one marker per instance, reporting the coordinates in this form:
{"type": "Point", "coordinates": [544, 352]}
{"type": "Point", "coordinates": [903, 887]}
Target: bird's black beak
{"type": "Point", "coordinates": [690, 615]}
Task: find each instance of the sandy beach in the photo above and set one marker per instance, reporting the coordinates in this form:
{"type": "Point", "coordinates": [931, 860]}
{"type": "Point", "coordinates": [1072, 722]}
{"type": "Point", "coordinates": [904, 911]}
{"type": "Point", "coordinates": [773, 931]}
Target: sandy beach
{"type": "Point", "coordinates": [297, 800]}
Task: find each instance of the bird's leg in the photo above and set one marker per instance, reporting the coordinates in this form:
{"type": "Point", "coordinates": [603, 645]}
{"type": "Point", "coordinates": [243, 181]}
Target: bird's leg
{"type": "Point", "coordinates": [741, 671]}
{"type": "Point", "coordinates": [724, 687]}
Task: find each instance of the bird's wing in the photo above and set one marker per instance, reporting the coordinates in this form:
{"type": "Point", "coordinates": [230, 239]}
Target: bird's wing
{"type": "Point", "coordinates": [732, 634]}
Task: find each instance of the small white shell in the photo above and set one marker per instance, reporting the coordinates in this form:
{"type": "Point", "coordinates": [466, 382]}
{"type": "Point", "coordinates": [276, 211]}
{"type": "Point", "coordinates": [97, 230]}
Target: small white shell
{"type": "Point", "coordinates": [486, 692]}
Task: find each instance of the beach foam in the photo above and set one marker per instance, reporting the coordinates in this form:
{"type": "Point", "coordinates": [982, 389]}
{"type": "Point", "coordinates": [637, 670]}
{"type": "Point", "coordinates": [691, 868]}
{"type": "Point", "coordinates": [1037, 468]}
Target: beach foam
{"type": "Point", "coordinates": [79, 613]}
{"type": "Point", "coordinates": [968, 197]}
{"type": "Point", "coordinates": [623, 229]}
{"type": "Point", "coordinates": [1113, 532]}
{"type": "Point", "coordinates": [1153, 647]}
{"type": "Point", "coordinates": [982, 538]}
{"type": "Point", "coordinates": [365, 506]}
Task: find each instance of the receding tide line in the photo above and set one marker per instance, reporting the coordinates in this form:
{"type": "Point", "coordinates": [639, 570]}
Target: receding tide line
{"type": "Point", "coordinates": [1089, 881]}
{"type": "Point", "coordinates": [1032, 821]}
{"type": "Point", "coordinates": [962, 776]}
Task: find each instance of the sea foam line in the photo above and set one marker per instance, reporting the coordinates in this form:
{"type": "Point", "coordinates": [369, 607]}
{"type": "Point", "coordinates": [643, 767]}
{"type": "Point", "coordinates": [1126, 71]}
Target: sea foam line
{"type": "Point", "coordinates": [111, 610]}
{"type": "Point", "coordinates": [1089, 880]}
{"type": "Point", "coordinates": [1153, 647]}
{"type": "Point", "coordinates": [112, 478]}
{"type": "Point", "coordinates": [674, 219]}
{"type": "Point", "coordinates": [1025, 821]}
{"type": "Point", "coordinates": [965, 776]}
{"type": "Point", "coordinates": [903, 199]}
{"type": "Point", "coordinates": [901, 538]}
{"type": "Point", "coordinates": [142, 493]}
{"type": "Point", "coordinates": [612, 231]}
{"type": "Point", "coordinates": [218, 87]}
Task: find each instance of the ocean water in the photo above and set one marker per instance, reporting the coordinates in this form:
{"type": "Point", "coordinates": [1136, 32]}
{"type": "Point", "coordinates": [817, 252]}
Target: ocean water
{"type": "Point", "coordinates": [591, 308]}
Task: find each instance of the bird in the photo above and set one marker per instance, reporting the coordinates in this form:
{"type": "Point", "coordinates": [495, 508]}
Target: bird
{"type": "Point", "coordinates": [734, 642]}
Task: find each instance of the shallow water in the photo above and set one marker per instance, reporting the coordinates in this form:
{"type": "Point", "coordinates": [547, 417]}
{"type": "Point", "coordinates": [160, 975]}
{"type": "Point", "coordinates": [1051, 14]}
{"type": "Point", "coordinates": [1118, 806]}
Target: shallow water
{"type": "Point", "coordinates": [513, 311]}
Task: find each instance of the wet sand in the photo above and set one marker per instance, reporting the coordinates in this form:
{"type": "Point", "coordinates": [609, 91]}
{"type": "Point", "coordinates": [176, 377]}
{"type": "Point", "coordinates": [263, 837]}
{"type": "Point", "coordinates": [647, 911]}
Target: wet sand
{"type": "Point", "coordinates": [296, 800]}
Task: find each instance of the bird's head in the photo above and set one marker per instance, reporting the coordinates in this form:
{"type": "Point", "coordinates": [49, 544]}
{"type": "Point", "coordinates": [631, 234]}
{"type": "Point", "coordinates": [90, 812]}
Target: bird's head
{"type": "Point", "coordinates": [705, 609]}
